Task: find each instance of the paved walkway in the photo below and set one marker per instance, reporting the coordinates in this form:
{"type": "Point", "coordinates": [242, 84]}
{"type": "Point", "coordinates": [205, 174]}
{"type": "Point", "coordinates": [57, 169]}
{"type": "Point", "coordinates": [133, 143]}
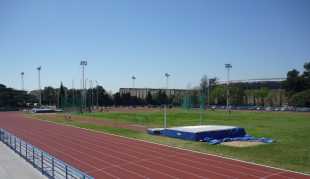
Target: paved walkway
{"type": "Point", "coordinates": [12, 166]}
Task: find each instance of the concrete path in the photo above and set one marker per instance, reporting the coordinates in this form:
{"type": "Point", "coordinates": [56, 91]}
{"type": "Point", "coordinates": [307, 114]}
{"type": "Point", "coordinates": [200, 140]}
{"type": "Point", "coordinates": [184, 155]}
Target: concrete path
{"type": "Point", "coordinates": [12, 166]}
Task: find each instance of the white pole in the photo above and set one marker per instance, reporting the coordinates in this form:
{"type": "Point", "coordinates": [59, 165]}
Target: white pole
{"type": "Point", "coordinates": [165, 120]}
{"type": "Point", "coordinates": [200, 114]}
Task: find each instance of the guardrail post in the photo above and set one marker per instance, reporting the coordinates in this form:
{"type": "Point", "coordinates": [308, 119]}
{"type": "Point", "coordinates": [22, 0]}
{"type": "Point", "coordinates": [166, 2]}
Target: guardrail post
{"type": "Point", "coordinates": [15, 144]}
{"type": "Point", "coordinates": [26, 152]}
{"type": "Point", "coordinates": [42, 167]}
{"type": "Point", "coordinates": [53, 167]}
{"type": "Point", "coordinates": [20, 148]}
{"type": "Point", "coordinates": [33, 156]}
{"type": "Point", "coordinates": [66, 171]}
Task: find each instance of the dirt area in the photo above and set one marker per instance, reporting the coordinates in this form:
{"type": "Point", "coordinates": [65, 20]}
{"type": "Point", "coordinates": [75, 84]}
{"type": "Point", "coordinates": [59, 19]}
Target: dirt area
{"type": "Point", "coordinates": [242, 143]}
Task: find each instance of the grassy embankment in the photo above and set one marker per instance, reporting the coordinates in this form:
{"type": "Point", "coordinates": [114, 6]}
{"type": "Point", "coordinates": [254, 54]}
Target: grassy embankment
{"type": "Point", "coordinates": [291, 150]}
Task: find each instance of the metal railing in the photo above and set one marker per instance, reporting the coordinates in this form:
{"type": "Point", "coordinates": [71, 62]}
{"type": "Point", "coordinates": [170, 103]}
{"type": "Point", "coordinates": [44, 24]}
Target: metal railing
{"type": "Point", "coordinates": [45, 163]}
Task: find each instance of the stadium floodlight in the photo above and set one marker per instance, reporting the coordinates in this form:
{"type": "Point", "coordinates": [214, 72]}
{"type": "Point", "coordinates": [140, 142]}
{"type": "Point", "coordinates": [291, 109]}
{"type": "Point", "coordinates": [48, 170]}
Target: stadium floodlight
{"type": "Point", "coordinates": [22, 73]}
{"type": "Point", "coordinates": [39, 69]}
{"type": "Point", "coordinates": [83, 63]}
{"type": "Point", "coordinates": [228, 66]}
{"type": "Point", "coordinates": [133, 87]}
{"type": "Point", "coordinates": [167, 75]}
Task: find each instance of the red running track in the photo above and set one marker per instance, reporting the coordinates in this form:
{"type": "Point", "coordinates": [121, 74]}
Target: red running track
{"type": "Point", "coordinates": [101, 122]}
{"type": "Point", "coordinates": [103, 155]}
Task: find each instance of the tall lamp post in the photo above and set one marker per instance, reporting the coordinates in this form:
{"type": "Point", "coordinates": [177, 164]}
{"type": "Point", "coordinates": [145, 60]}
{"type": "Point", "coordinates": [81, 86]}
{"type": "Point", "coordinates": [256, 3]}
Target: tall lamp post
{"type": "Point", "coordinates": [39, 69]}
{"type": "Point", "coordinates": [83, 63]}
{"type": "Point", "coordinates": [133, 87]}
{"type": "Point", "coordinates": [22, 73]}
{"type": "Point", "coordinates": [228, 66]}
{"type": "Point", "coordinates": [167, 75]}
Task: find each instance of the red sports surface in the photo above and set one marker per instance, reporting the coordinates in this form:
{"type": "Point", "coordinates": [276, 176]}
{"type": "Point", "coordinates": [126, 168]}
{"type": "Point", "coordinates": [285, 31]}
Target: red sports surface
{"type": "Point", "coordinates": [102, 155]}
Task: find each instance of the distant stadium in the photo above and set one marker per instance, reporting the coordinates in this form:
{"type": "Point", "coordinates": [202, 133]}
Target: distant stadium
{"type": "Point", "coordinates": [273, 84]}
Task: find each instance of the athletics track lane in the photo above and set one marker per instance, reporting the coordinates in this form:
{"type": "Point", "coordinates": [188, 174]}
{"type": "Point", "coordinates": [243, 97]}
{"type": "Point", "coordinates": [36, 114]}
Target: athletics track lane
{"type": "Point", "coordinates": [107, 156]}
{"type": "Point", "coordinates": [101, 122]}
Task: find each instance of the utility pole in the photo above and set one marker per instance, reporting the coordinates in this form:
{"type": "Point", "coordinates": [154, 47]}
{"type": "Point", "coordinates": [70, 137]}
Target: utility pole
{"type": "Point", "coordinates": [22, 73]}
{"type": "Point", "coordinates": [39, 95]}
{"type": "Point", "coordinates": [84, 63]}
{"type": "Point", "coordinates": [133, 87]}
{"type": "Point", "coordinates": [228, 66]}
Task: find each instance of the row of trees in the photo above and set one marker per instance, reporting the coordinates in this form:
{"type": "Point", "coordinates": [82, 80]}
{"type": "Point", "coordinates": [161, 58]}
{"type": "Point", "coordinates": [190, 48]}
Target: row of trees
{"type": "Point", "coordinates": [297, 87]}
{"type": "Point", "coordinates": [296, 92]}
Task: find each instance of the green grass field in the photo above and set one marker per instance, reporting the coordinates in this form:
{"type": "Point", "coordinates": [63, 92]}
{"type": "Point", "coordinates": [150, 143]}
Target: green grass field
{"type": "Point", "coordinates": [291, 150]}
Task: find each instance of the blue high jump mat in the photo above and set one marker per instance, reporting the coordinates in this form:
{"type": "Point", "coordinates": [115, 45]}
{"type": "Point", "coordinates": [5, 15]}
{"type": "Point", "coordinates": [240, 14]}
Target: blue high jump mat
{"type": "Point", "coordinates": [213, 134]}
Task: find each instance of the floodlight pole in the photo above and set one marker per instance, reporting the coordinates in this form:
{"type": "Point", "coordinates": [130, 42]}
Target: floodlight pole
{"type": "Point", "coordinates": [97, 92]}
{"type": "Point", "coordinates": [167, 75]}
{"type": "Point", "coordinates": [133, 87]}
{"type": "Point", "coordinates": [83, 63]}
{"type": "Point", "coordinates": [39, 69]}
{"type": "Point", "coordinates": [228, 66]}
{"type": "Point", "coordinates": [73, 91]}
{"type": "Point", "coordinates": [22, 73]}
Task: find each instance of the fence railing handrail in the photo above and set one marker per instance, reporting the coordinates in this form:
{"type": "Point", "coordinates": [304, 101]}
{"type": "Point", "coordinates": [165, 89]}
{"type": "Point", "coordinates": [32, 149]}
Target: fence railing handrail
{"type": "Point", "coordinates": [47, 164]}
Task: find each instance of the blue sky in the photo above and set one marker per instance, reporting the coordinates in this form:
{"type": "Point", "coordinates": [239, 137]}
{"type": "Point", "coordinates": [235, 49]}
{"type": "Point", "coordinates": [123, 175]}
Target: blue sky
{"type": "Point", "coordinates": [148, 38]}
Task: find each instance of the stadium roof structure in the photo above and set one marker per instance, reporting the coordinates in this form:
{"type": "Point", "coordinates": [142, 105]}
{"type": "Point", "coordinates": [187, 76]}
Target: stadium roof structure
{"type": "Point", "coordinates": [251, 80]}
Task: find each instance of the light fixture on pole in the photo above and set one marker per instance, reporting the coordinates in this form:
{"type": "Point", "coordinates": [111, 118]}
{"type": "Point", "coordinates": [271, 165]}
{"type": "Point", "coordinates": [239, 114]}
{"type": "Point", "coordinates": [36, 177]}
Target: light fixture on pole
{"type": "Point", "coordinates": [39, 94]}
{"type": "Point", "coordinates": [83, 63]}
{"type": "Point", "coordinates": [228, 66]}
{"type": "Point", "coordinates": [22, 73]}
{"type": "Point", "coordinates": [167, 75]}
{"type": "Point", "coordinates": [133, 87]}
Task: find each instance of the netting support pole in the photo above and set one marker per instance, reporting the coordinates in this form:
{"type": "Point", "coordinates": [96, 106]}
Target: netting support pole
{"type": "Point", "coordinates": [200, 114]}
{"type": "Point", "coordinates": [165, 120]}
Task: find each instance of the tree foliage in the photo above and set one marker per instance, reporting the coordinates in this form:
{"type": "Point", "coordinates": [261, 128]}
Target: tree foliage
{"type": "Point", "coordinates": [261, 96]}
{"type": "Point", "coordinates": [236, 94]}
{"type": "Point", "coordinates": [218, 95]}
{"type": "Point", "coordinates": [204, 84]}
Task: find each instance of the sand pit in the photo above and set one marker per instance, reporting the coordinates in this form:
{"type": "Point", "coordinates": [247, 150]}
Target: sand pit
{"type": "Point", "coordinates": [242, 143]}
